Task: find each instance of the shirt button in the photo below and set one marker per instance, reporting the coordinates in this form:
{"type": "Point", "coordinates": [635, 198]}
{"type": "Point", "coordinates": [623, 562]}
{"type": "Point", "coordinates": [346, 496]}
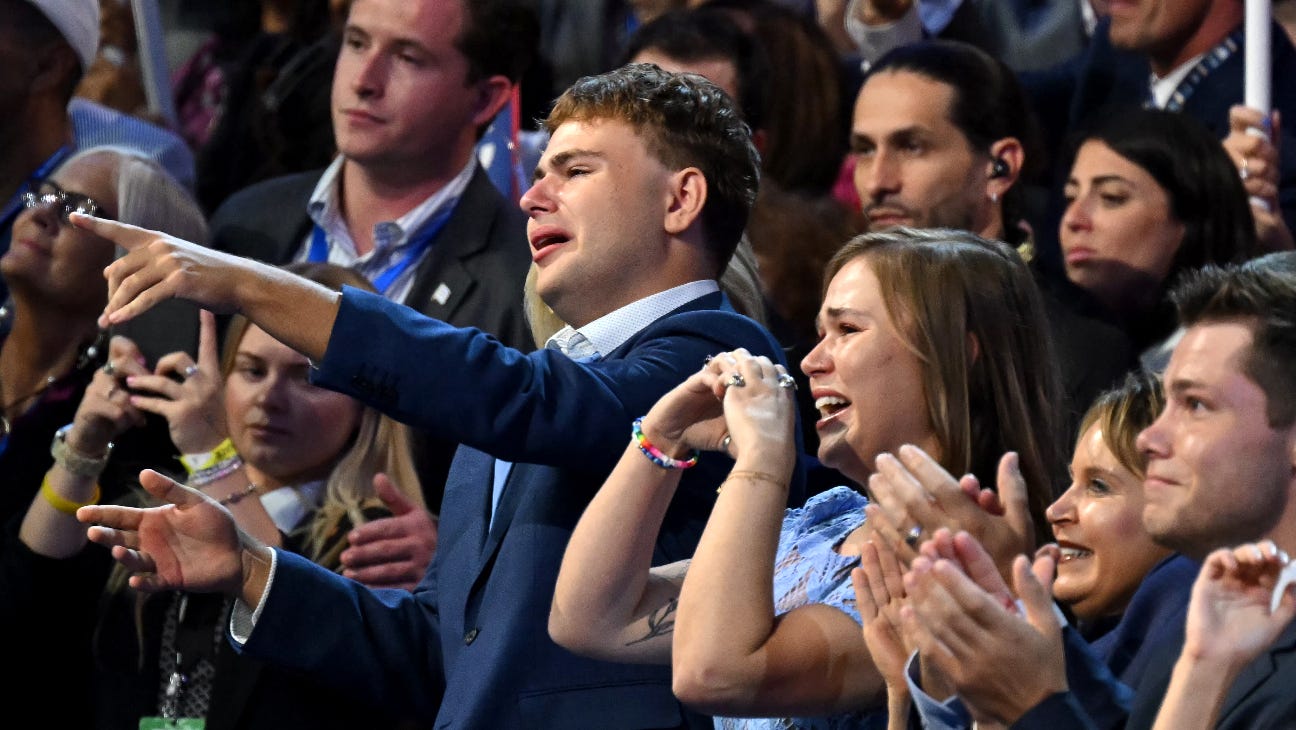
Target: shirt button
{"type": "Point", "coordinates": [470, 636]}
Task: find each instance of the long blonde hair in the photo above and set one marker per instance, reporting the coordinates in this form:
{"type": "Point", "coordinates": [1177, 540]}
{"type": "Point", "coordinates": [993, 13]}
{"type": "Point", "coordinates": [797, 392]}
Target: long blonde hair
{"type": "Point", "coordinates": [379, 444]}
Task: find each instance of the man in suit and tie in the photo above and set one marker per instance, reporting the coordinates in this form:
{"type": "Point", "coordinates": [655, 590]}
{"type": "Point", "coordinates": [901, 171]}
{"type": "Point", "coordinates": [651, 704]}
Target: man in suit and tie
{"type": "Point", "coordinates": [405, 202]}
{"type": "Point", "coordinates": [1221, 472]}
{"type": "Point", "coordinates": [637, 205]}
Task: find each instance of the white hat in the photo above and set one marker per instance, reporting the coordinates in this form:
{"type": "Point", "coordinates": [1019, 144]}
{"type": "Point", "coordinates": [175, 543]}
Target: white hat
{"type": "Point", "coordinates": [78, 21]}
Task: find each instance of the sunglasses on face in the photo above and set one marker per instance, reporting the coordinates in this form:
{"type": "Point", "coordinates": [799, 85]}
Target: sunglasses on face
{"type": "Point", "coordinates": [64, 201]}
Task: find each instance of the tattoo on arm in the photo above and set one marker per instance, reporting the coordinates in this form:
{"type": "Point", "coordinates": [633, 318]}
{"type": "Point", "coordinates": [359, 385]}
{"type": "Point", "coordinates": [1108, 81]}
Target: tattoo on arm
{"type": "Point", "coordinates": [660, 622]}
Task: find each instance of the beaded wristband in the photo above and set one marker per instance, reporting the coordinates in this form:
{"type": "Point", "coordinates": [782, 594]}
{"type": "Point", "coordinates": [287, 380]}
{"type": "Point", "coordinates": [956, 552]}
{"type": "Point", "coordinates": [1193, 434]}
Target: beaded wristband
{"type": "Point", "coordinates": [656, 455]}
{"type": "Point", "coordinates": [74, 462]}
{"type": "Point", "coordinates": [205, 460]}
{"type": "Point", "coordinates": [63, 504]}
{"type": "Point", "coordinates": [217, 472]}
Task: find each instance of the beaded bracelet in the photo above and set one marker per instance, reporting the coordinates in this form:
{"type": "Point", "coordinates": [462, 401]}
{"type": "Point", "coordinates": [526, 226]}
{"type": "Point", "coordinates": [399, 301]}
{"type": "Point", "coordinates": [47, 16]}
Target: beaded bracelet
{"type": "Point", "coordinates": [755, 476]}
{"type": "Point", "coordinates": [656, 455]}
{"type": "Point", "coordinates": [215, 473]}
{"type": "Point", "coordinates": [63, 504]}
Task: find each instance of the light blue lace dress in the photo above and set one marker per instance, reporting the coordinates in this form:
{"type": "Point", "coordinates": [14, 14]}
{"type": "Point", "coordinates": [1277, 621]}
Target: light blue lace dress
{"type": "Point", "coordinates": [808, 570]}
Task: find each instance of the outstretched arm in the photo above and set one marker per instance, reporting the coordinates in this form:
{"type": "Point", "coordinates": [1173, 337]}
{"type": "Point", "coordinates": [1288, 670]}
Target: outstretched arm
{"type": "Point", "coordinates": [191, 543]}
{"type": "Point", "coordinates": [1229, 624]}
{"type": "Point", "coordinates": [157, 267]}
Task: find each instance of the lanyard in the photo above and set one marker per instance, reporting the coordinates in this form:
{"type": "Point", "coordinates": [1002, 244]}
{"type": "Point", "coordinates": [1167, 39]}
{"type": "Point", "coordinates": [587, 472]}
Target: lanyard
{"type": "Point", "coordinates": [319, 249]}
{"type": "Point", "coordinates": [42, 172]}
{"type": "Point", "coordinates": [1211, 61]}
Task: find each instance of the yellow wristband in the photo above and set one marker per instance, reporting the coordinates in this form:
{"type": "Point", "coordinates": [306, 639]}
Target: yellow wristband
{"type": "Point", "coordinates": [61, 503]}
{"type": "Point", "coordinates": [207, 459]}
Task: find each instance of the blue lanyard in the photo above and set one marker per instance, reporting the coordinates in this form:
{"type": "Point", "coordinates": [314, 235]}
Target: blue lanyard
{"type": "Point", "coordinates": [319, 249]}
{"type": "Point", "coordinates": [1211, 61]}
{"type": "Point", "coordinates": [40, 174]}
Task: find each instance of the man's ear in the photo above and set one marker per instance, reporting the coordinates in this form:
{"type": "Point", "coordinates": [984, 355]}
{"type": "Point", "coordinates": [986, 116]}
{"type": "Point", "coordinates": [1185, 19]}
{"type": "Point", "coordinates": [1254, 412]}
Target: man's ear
{"type": "Point", "coordinates": [1006, 160]}
{"type": "Point", "coordinates": [493, 92]}
{"type": "Point", "coordinates": [685, 196]}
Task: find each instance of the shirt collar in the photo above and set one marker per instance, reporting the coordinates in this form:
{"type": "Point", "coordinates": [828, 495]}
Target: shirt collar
{"type": "Point", "coordinates": [325, 208]}
{"type": "Point", "coordinates": [288, 507]}
{"type": "Point", "coordinates": [610, 331]}
{"type": "Point", "coordinates": [1163, 88]}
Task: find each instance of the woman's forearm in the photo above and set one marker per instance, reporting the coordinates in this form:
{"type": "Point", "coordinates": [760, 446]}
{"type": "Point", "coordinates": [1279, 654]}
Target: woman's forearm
{"type": "Point", "coordinates": [726, 608]}
{"type": "Point", "coordinates": [606, 603]}
{"type": "Point", "coordinates": [1195, 695]}
{"type": "Point", "coordinates": [50, 527]}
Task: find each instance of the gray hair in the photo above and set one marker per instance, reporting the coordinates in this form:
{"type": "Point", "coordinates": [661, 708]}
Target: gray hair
{"type": "Point", "coordinates": [149, 197]}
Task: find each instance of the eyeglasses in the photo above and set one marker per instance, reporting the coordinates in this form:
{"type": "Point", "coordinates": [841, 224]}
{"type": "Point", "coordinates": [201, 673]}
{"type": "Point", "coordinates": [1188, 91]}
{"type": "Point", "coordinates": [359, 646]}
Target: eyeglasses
{"type": "Point", "coordinates": [65, 202]}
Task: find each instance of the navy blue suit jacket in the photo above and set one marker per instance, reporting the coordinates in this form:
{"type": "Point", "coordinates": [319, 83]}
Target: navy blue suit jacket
{"type": "Point", "coordinates": [471, 645]}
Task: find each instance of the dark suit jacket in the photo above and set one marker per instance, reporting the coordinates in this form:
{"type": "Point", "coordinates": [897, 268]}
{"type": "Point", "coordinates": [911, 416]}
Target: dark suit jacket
{"type": "Point", "coordinates": [475, 630]}
{"type": "Point", "coordinates": [1261, 697]}
{"type": "Point", "coordinates": [481, 256]}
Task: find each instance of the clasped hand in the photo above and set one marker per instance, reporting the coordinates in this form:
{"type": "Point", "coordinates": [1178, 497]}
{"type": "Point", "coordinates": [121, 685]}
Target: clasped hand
{"type": "Point", "coordinates": [736, 403]}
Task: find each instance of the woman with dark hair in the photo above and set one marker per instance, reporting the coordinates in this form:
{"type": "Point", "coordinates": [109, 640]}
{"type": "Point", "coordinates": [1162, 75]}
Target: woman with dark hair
{"type": "Point", "coordinates": [1151, 194]}
{"type": "Point", "coordinates": [950, 355]}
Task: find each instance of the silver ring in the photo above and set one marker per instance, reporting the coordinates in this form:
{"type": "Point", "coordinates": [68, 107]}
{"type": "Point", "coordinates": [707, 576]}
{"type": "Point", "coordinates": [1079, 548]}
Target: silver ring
{"type": "Point", "coordinates": [190, 371]}
{"type": "Point", "coordinates": [786, 382]}
{"type": "Point", "coordinates": [109, 370]}
{"type": "Point", "coordinates": [724, 443]}
{"type": "Point", "coordinates": [735, 380]}
{"type": "Point", "coordinates": [1246, 170]}
{"type": "Point", "coordinates": [912, 537]}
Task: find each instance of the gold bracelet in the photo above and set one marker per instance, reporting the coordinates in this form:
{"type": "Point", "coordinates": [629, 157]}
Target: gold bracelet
{"type": "Point", "coordinates": [238, 496]}
{"type": "Point", "coordinates": [756, 476]}
{"type": "Point", "coordinates": [63, 504]}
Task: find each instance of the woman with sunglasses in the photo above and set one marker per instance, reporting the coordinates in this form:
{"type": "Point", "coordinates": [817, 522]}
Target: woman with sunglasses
{"type": "Point", "coordinates": [51, 346]}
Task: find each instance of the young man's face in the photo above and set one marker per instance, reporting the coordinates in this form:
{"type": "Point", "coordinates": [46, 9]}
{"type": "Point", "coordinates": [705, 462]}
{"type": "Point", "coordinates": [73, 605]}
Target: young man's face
{"type": "Point", "coordinates": [596, 226]}
{"type": "Point", "coordinates": [1217, 474]}
{"type": "Point", "coordinates": [914, 167]}
{"type": "Point", "coordinates": [400, 92]}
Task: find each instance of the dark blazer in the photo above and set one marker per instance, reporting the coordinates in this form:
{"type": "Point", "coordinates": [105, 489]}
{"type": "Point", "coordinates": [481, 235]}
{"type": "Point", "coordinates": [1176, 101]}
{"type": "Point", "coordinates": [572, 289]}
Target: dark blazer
{"type": "Point", "coordinates": [471, 645]}
{"type": "Point", "coordinates": [1261, 697]}
{"type": "Point", "coordinates": [481, 257]}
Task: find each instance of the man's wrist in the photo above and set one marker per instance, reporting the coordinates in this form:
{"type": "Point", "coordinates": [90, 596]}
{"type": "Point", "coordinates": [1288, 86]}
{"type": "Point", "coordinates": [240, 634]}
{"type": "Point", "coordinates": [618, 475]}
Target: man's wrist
{"type": "Point", "coordinates": [257, 560]}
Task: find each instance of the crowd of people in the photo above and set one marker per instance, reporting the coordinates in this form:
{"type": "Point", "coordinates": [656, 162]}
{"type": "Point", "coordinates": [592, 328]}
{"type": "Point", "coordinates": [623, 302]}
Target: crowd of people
{"type": "Point", "coordinates": [686, 363]}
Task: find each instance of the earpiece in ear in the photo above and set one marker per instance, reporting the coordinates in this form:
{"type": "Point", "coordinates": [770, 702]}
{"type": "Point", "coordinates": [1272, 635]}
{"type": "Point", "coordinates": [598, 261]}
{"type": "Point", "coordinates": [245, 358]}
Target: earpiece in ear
{"type": "Point", "coordinates": [999, 168]}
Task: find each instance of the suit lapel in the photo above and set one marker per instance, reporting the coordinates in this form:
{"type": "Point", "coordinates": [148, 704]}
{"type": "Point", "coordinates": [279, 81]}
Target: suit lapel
{"type": "Point", "coordinates": [515, 489]}
{"type": "Point", "coordinates": [443, 280]}
{"type": "Point", "coordinates": [1257, 672]}
{"type": "Point", "coordinates": [504, 511]}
